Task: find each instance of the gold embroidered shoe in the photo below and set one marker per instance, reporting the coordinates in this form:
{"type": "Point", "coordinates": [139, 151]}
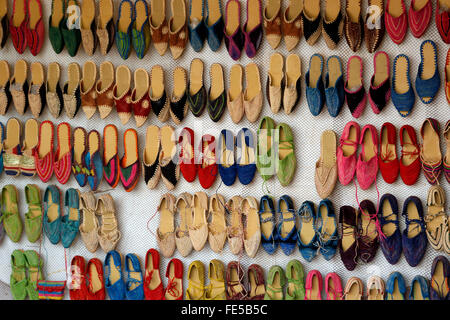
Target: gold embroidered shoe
{"type": "Point", "coordinates": [54, 93]}
{"type": "Point", "coordinates": [11, 147]}
{"type": "Point", "coordinates": [29, 147]}
{"type": "Point", "coordinates": [36, 97]}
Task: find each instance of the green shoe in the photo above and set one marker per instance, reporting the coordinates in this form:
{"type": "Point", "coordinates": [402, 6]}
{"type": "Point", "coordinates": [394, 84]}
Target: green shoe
{"type": "Point", "coordinates": [55, 25]}
{"type": "Point", "coordinates": [11, 217]}
{"type": "Point", "coordinates": [264, 157]}
{"type": "Point", "coordinates": [296, 281]}
{"type": "Point", "coordinates": [34, 265]}
{"type": "Point", "coordinates": [33, 218]}
{"type": "Point", "coordinates": [285, 160]}
{"type": "Point", "coordinates": [18, 280]}
{"type": "Point", "coordinates": [275, 283]}
{"type": "Point", "coordinates": [72, 37]}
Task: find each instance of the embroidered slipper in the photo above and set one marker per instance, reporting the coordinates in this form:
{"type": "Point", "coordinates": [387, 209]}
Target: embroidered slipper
{"type": "Point", "coordinates": [12, 149]}
{"type": "Point", "coordinates": [275, 82]}
{"type": "Point", "coordinates": [54, 95]}
{"type": "Point", "coordinates": [18, 25]}
{"type": "Point", "coordinates": [217, 95]}
{"type": "Point", "coordinates": [158, 24]}
{"type": "Point", "coordinates": [196, 27]}
{"type": "Point", "coordinates": [292, 90]}
{"type": "Point", "coordinates": [71, 91]}
{"type": "Point", "coordinates": [105, 27]}
{"type": "Point", "coordinates": [35, 29]}
{"type": "Point", "coordinates": [111, 155]}
{"type": "Point", "coordinates": [312, 21]}
{"type": "Point", "coordinates": [44, 155]}
{"type": "Point", "coordinates": [188, 165]}
{"type": "Point", "coordinates": [234, 38]}
{"type": "Point", "coordinates": [214, 24]}
{"type": "Point", "coordinates": [326, 168]}
{"type": "Point", "coordinates": [19, 87]}
{"type": "Point", "coordinates": [140, 98]}
{"type": "Point", "coordinates": [141, 29]}
{"type": "Point", "coordinates": [79, 155]}
{"type": "Point", "coordinates": [428, 79]}
{"type": "Point", "coordinates": [253, 28]}
{"type": "Point", "coordinates": [334, 86]}
{"type": "Point", "coordinates": [104, 89]}
{"type": "Point", "coordinates": [129, 164]}
{"type": "Point", "coordinates": [396, 20]}
{"type": "Point", "coordinates": [70, 30]}
{"type": "Point", "coordinates": [56, 21]}
{"type": "Point", "coordinates": [315, 90]}
{"type": "Point", "coordinates": [374, 28]}
{"type": "Point", "coordinates": [235, 100]}
{"type": "Point", "coordinates": [208, 169]}
{"type": "Point", "coordinates": [333, 23]}
{"type": "Point", "coordinates": [355, 94]}
{"type": "Point", "coordinates": [87, 26]}
{"type": "Point", "coordinates": [197, 92]}
{"type": "Point", "coordinates": [165, 233]}
{"type": "Point", "coordinates": [353, 24]}
{"type": "Point", "coordinates": [123, 28]}
{"type": "Point", "coordinates": [380, 85]}
{"type": "Point", "coordinates": [170, 168]}
{"type": "Point", "coordinates": [272, 22]}
{"type": "Point", "coordinates": [292, 24]}
{"type": "Point", "coordinates": [158, 95]}
{"type": "Point", "coordinates": [122, 93]}
{"type": "Point", "coordinates": [178, 32]}
{"type": "Point", "coordinates": [178, 101]}
{"type": "Point", "coordinates": [36, 93]}
{"type": "Point", "coordinates": [442, 20]}
{"type": "Point", "coordinates": [63, 155]}
{"type": "Point", "coordinates": [150, 158]}
{"type": "Point", "coordinates": [402, 92]}
{"type": "Point", "coordinates": [253, 96]}
{"type": "Point", "coordinates": [4, 24]}
{"type": "Point", "coordinates": [28, 149]}
{"type": "Point", "coordinates": [87, 89]}
{"type": "Point", "coordinates": [419, 16]}
{"type": "Point", "coordinates": [94, 163]}
{"type": "Point", "coordinates": [5, 94]}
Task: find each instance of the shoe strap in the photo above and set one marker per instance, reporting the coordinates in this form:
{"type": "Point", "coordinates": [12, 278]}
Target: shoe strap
{"type": "Point", "coordinates": [384, 219]}
{"type": "Point", "coordinates": [431, 216]}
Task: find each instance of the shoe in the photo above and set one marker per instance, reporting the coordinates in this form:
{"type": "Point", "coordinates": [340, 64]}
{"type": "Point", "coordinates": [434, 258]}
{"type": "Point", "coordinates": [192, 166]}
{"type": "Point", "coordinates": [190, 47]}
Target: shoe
{"type": "Point", "coordinates": [140, 99]}
{"type": "Point", "coordinates": [396, 20]}
{"type": "Point", "coordinates": [174, 274]}
{"type": "Point", "coordinates": [367, 165]}
{"type": "Point", "coordinates": [36, 93]}
{"type": "Point", "coordinates": [326, 168]}
{"type": "Point", "coordinates": [124, 27]}
{"type": "Point", "coordinates": [18, 25]}
{"type": "Point", "coordinates": [272, 22]}
{"type": "Point", "coordinates": [334, 86]}
{"type": "Point", "coordinates": [159, 29]}
{"type": "Point", "coordinates": [419, 17]}
{"type": "Point", "coordinates": [333, 286]}
{"type": "Point", "coordinates": [63, 156]}
{"type": "Point", "coordinates": [52, 214]}
{"type": "Point", "coordinates": [265, 158]}
{"type": "Point", "coordinates": [402, 93]}
{"type": "Point", "coordinates": [420, 289]}
{"type": "Point", "coordinates": [227, 164]}
{"type": "Point", "coordinates": [296, 281]}
{"type": "Point", "coordinates": [94, 162]}
{"type": "Point", "coordinates": [170, 170]}
{"type": "Point", "coordinates": [178, 31]}
{"type": "Point", "coordinates": [315, 90]}
{"type": "Point", "coordinates": [327, 229]}
{"type": "Point", "coordinates": [275, 82]}
{"type": "Point", "coordinates": [395, 287]}
{"type": "Point", "coordinates": [196, 281]}
{"type": "Point", "coordinates": [196, 26]}
{"type": "Point", "coordinates": [235, 286]}
{"type": "Point", "coordinates": [114, 282]}
{"type": "Point", "coordinates": [95, 279]}
{"type": "Point", "coordinates": [196, 93]}
{"type": "Point", "coordinates": [208, 168]}
{"type": "Point", "coordinates": [214, 24]}
{"type": "Point", "coordinates": [78, 285]}
{"type": "Point", "coordinates": [355, 94]}
{"type": "Point", "coordinates": [216, 97]}
{"type": "Point", "coordinates": [440, 279]}
{"type": "Point", "coordinates": [235, 99]}
{"type": "Point", "coordinates": [354, 289]}
{"type": "Point", "coordinates": [307, 233]}
{"type": "Point", "coordinates": [4, 24]}
{"type": "Point", "coordinates": [217, 226]}
{"type": "Point", "coordinates": [276, 280]}
{"type": "Point", "coordinates": [253, 96]}
{"type": "Point", "coordinates": [312, 21]}
{"type": "Point", "coordinates": [44, 156]}
{"type": "Point", "coordinates": [387, 158]}
{"type": "Point", "coordinates": [267, 219]}
{"type": "Point", "coordinates": [33, 218]}
{"type": "Point", "coordinates": [5, 94]}
{"type": "Point", "coordinates": [436, 218]}
{"type": "Point", "coordinates": [286, 160]}
{"type": "Point", "coordinates": [375, 288]}
{"type": "Point", "coordinates": [333, 23]}
{"type": "Point", "coordinates": [391, 238]}
{"type": "Point", "coordinates": [141, 29]}
{"type": "Point", "coordinates": [129, 164]}
{"type": "Point", "coordinates": [153, 286]}
{"type": "Point", "coordinates": [235, 230]}
{"type": "Point", "coordinates": [287, 229]}
{"type": "Point", "coordinates": [292, 25]}
{"type": "Point", "coordinates": [293, 89]}
{"type": "Point", "coordinates": [368, 241]}
{"type": "Point", "coordinates": [122, 94]}
{"type": "Point", "coordinates": [70, 31]}
{"type": "Point", "coordinates": [18, 280]}
{"type": "Point", "coordinates": [70, 222]}
{"type": "Point", "coordinates": [252, 229]}
{"type": "Point", "coordinates": [256, 283]}
{"type": "Point", "coordinates": [414, 239]}
{"type": "Point", "coordinates": [111, 155]}
{"type": "Point", "coordinates": [428, 79]}
{"type": "Point", "coordinates": [79, 152]}
{"type": "Point", "coordinates": [380, 85]}
{"type": "Point", "coordinates": [348, 247]}
{"type": "Point", "coordinates": [182, 239]}
{"type": "Point", "coordinates": [447, 77]}
{"type": "Point", "coordinates": [178, 101]}
{"type": "Point", "coordinates": [253, 28]}
{"type": "Point", "coordinates": [56, 22]}
{"type": "Point", "coordinates": [88, 27]}
{"type": "Point", "coordinates": [89, 224]}
{"type": "Point", "coordinates": [54, 94]}
{"type": "Point", "coordinates": [216, 288]}
{"type": "Point", "coordinates": [313, 286]}
{"type": "Point", "coordinates": [188, 165]}
{"type": "Point", "coordinates": [158, 95]}
{"type": "Point", "coordinates": [29, 148]}
{"type": "Point", "coordinates": [10, 213]}
{"type": "Point", "coordinates": [106, 31]}
{"type": "Point", "coordinates": [409, 161]}
{"type": "Point", "coordinates": [245, 156]}
{"type": "Point", "coordinates": [353, 24]}
{"type": "Point", "coordinates": [430, 152]}
{"type": "Point", "coordinates": [446, 162]}
{"type": "Point", "coordinates": [34, 265]}
{"type": "Point", "coordinates": [233, 36]}
{"type": "Point", "coordinates": [442, 17]}
{"type": "Point", "coordinates": [134, 285]}
{"type": "Point", "coordinates": [374, 27]}
{"type": "Point", "coordinates": [12, 148]}
{"type": "Point", "coordinates": [72, 91]}
{"type": "Point", "coordinates": [108, 233]}
{"type": "Point", "coordinates": [198, 232]}
{"type": "Point", "coordinates": [18, 86]}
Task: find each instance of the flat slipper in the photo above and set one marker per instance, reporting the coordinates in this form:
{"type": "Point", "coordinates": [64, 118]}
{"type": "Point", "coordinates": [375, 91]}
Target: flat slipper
{"type": "Point", "coordinates": [402, 93]}
{"type": "Point", "coordinates": [178, 31]}
{"type": "Point", "coordinates": [428, 80]}
{"type": "Point", "coordinates": [140, 98]}
{"type": "Point", "coordinates": [71, 91]}
{"type": "Point", "coordinates": [54, 95]}
{"type": "Point", "coordinates": [129, 164]}
{"type": "Point", "coordinates": [5, 94]}
{"type": "Point", "coordinates": [29, 147]}
{"type": "Point", "coordinates": [312, 21]}
{"type": "Point", "coordinates": [87, 26]}
{"type": "Point", "coordinates": [158, 24]}
{"type": "Point", "coordinates": [63, 155]}
{"type": "Point", "coordinates": [235, 100]}
{"type": "Point", "coordinates": [158, 95]}
{"type": "Point", "coordinates": [150, 159]}
{"type": "Point", "coordinates": [4, 24]}
{"type": "Point", "coordinates": [141, 29]}
{"type": "Point", "coordinates": [44, 155]}
{"type": "Point", "coordinates": [123, 28]}
{"type": "Point", "coordinates": [56, 21]}
{"type": "Point", "coordinates": [122, 93]}
{"type": "Point", "coordinates": [19, 87]}
{"type": "Point", "coordinates": [197, 92]}
{"type": "Point", "coordinates": [105, 27]}
{"type": "Point", "coordinates": [79, 156]}
{"type": "Point", "coordinates": [217, 96]}
{"type": "Point", "coordinates": [275, 82]}
{"type": "Point", "coordinates": [253, 96]}
{"type": "Point", "coordinates": [380, 85]}
{"type": "Point", "coordinates": [178, 101]}
{"type": "Point", "coordinates": [35, 30]}
{"type": "Point", "coordinates": [292, 90]}
{"type": "Point", "coordinates": [87, 88]}
{"type": "Point", "coordinates": [12, 149]}
{"type": "Point", "coordinates": [94, 163]}
{"type": "Point", "coordinates": [170, 168]}
{"type": "Point", "coordinates": [111, 155]}
{"type": "Point", "coordinates": [104, 89]}
{"type": "Point", "coordinates": [315, 89]}
{"type": "Point", "coordinates": [36, 93]}
{"type": "Point", "coordinates": [355, 94]}
{"type": "Point", "coordinates": [2, 138]}
{"type": "Point", "coordinates": [70, 31]}
{"type": "Point", "coordinates": [272, 22]}
{"type": "Point", "coordinates": [326, 172]}
{"type": "Point", "coordinates": [18, 25]}
{"type": "Point", "coordinates": [291, 24]}
{"type": "Point", "coordinates": [334, 86]}
{"type": "Point", "coordinates": [234, 38]}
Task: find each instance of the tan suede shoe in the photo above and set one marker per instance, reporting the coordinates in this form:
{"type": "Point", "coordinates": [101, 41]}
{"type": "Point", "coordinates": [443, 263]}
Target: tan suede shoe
{"type": "Point", "coordinates": [235, 230]}
{"type": "Point", "coordinates": [326, 168]}
{"type": "Point", "coordinates": [218, 225]}
{"type": "Point", "coordinates": [198, 232]}
{"type": "Point", "coordinates": [165, 234]}
{"type": "Point", "coordinates": [89, 225]}
{"type": "Point", "coordinates": [182, 240]}
{"type": "Point", "coordinates": [252, 231]}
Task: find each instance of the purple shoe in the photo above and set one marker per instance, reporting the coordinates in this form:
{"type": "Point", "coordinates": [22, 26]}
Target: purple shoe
{"type": "Point", "coordinates": [234, 38]}
{"type": "Point", "coordinates": [440, 273]}
{"type": "Point", "coordinates": [253, 28]}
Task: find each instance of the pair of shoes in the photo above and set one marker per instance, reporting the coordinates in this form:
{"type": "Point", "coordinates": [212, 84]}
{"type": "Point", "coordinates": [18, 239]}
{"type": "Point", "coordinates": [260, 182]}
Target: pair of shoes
{"type": "Point", "coordinates": [354, 289]}
{"type": "Point", "coordinates": [440, 271]}
{"type": "Point", "coordinates": [275, 151]}
{"type": "Point", "coordinates": [203, 27]}
{"type": "Point", "coordinates": [243, 165]}
{"type": "Point", "coordinates": [87, 281]}
{"type": "Point", "coordinates": [314, 285]}
{"type": "Point", "coordinates": [317, 231]}
{"type": "Point", "coordinates": [56, 225]}
{"type": "Point", "coordinates": [326, 172]}
{"type": "Point", "coordinates": [247, 38]}
{"type": "Point", "coordinates": [92, 235]}
{"type": "Point", "coordinates": [430, 152]}
{"type": "Point", "coordinates": [26, 26]}
{"type": "Point", "coordinates": [248, 101]}
{"type": "Point", "coordinates": [283, 90]}
{"type": "Point", "coordinates": [62, 30]}
{"type": "Point", "coordinates": [237, 289]}
{"type": "Point", "coordinates": [197, 290]}
{"type": "Point", "coordinates": [442, 18]}
{"type": "Point", "coordinates": [273, 232]}
{"type": "Point", "coordinates": [437, 227]}
{"type": "Point", "coordinates": [119, 288]}
{"type": "Point", "coordinates": [26, 272]}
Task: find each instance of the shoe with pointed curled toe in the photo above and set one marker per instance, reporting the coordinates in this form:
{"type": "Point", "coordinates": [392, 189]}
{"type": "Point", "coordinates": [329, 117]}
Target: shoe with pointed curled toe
{"type": "Point", "coordinates": [272, 22]}
{"type": "Point", "coordinates": [391, 236]}
{"type": "Point", "coordinates": [178, 31]}
{"type": "Point", "coordinates": [312, 21]}
{"type": "Point", "coordinates": [414, 238]}
{"type": "Point", "coordinates": [291, 24]}
{"type": "Point", "coordinates": [307, 233]}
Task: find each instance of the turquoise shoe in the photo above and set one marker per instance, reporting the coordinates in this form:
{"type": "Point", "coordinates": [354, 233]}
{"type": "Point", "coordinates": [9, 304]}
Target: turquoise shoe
{"type": "Point", "coordinates": [70, 222]}
{"type": "Point", "coordinates": [52, 214]}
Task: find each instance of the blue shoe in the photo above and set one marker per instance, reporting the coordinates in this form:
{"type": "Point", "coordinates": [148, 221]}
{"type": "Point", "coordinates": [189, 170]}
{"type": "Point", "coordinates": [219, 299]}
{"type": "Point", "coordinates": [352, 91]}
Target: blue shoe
{"type": "Point", "coordinates": [94, 162]}
{"type": "Point", "coordinates": [113, 265]}
{"type": "Point", "coordinates": [267, 216]}
{"type": "Point", "coordinates": [395, 287]}
{"type": "Point", "coordinates": [327, 229]}
{"type": "Point", "coordinates": [226, 163]}
{"type": "Point", "coordinates": [307, 227]}
{"type": "Point", "coordinates": [2, 137]}
{"type": "Point", "coordinates": [287, 229]}
{"type": "Point", "coordinates": [428, 88]}
{"type": "Point", "coordinates": [315, 90]}
{"type": "Point", "coordinates": [214, 28]}
{"type": "Point", "coordinates": [414, 247]}
{"type": "Point", "coordinates": [420, 290]}
{"type": "Point", "coordinates": [196, 25]}
{"type": "Point", "coordinates": [70, 222]}
{"type": "Point", "coordinates": [123, 32]}
{"type": "Point", "coordinates": [440, 278]}
{"type": "Point", "coordinates": [134, 284]}
{"type": "Point", "coordinates": [390, 243]}
{"type": "Point", "coordinates": [141, 33]}
{"type": "Point", "coordinates": [334, 92]}
{"type": "Point", "coordinates": [52, 214]}
{"type": "Point", "coordinates": [245, 159]}
{"type": "Point", "coordinates": [403, 101]}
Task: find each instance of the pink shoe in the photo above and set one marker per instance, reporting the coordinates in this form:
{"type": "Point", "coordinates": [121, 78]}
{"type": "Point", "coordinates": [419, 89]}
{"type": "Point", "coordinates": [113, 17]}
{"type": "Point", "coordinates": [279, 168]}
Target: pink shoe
{"type": "Point", "coordinates": [313, 286]}
{"type": "Point", "coordinates": [419, 18]}
{"type": "Point", "coordinates": [346, 153]}
{"type": "Point", "coordinates": [333, 286]}
{"type": "Point", "coordinates": [396, 20]}
{"type": "Point", "coordinates": [367, 166]}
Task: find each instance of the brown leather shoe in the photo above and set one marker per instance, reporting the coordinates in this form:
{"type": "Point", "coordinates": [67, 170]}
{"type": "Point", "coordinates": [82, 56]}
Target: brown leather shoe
{"type": "Point", "coordinates": [353, 24]}
{"type": "Point", "coordinates": [256, 283]}
{"type": "Point", "coordinates": [374, 28]}
{"type": "Point", "coordinates": [235, 287]}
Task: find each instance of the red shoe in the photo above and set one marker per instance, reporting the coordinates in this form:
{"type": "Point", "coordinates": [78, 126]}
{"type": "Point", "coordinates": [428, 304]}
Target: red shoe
{"type": "Point", "coordinates": [419, 18]}
{"type": "Point", "coordinates": [35, 30]}
{"type": "Point", "coordinates": [77, 287]}
{"type": "Point", "coordinates": [397, 25]}
{"type": "Point", "coordinates": [153, 287]}
{"type": "Point", "coordinates": [18, 25]}
{"type": "Point", "coordinates": [140, 98]}
{"type": "Point", "coordinates": [389, 164]}
{"type": "Point", "coordinates": [63, 155]}
{"type": "Point", "coordinates": [207, 170]}
{"type": "Point", "coordinates": [447, 76]}
{"type": "Point", "coordinates": [174, 274]}
{"type": "Point", "coordinates": [44, 155]}
{"type": "Point", "coordinates": [96, 288]}
{"type": "Point", "coordinates": [188, 166]}
{"type": "Point", "coordinates": [443, 22]}
{"type": "Point", "coordinates": [409, 161]}
{"type": "Point", "coordinates": [122, 94]}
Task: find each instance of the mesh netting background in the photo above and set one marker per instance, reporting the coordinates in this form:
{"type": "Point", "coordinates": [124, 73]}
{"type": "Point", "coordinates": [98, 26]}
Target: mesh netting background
{"type": "Point", "coordinates": [136, 208]}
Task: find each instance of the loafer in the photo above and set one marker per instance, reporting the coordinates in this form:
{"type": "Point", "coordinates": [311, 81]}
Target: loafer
{"type": "Point", "coordinates": [346, 152]}
{"type": "Point", "coordinates": [287, 229]}
{"type": "Point", "coordinates": [214, 24]}
{"type": "Point", "coordinates": [396, 20]}
{"type": "Point", "coordinates": [395, 287]}
{"type": "Point", "coordinates": [315, 90]}
{"type": "Point", "coordinates": [387, 158]}
{"type": "Point", "coordinates": [334, 86]}
{"type": "Point", "coordinates": [414, 238]}
{"type": "Point", "coordinates": [307, 233]}
{"type": "Point", "coordinates": [134, 284]}
{"type": "Point", "coordinates": [440, 274]}
{"type": "Point", "coordinates": [52, 214]}
{"type": "Point", "coordinates": [419, 17]}
{"type": "Point", "coordinates": [420, 288]}
{"type": "Point", "coordinates": [327, 229]}
{"type": "Point", "coordinates": [348, 247]}
{"type": "Point", "coordinates": [267, 218]}
{"type": "Point", "coordinates": [402, 93]}
{"type": "Point", "coordinates": [245, 160]}
{"type": "Point", "coordinates": [114, 282]}
{"type": "Point", "coordinates": [70, 222]}
{"type": "Point", "coordinates": [391, 237]}
{"type": "Point", "coordinates": [428, 79]}
{"type": "Point", "coordinates": [196, 26]}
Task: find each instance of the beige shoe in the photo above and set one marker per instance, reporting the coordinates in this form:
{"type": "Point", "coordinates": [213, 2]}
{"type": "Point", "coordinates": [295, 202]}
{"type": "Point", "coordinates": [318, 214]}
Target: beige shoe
{"type": "Point", "coordinates": [165, 234]}
{"type": "Point", "coordinates": [218, 225]}
{"type": "Point", "coordinates": [291, 94]}
{"type": "Point", "coordinates": [89, 226]}
{"type": "Point", "coordinates": [253, 97]}
{"type": "Point", "coordinates": [252, 231]}
{"type": "Point", "coordinates": [36, 85]}
{"type": "Point", "coordinates": [234, 96]}
{"type": "Point", "coordinates": [435, 218]}
{"type": "Point", "coordinates": [353, 289]}
{"type": "Point", "coordinates": [16, 88]}
{"type": "Point", "coordinates": [182, 240]}
{"type": "Point", "coordinates": [275, 82]}
{"type": "Point", "coordinates": [108, 234]}
{"type": "Point", "coordinates": [198, 232]}
{"type": "Point", "coordinates": [235, 230]}
{"type": "Point", "coordinates": [326, 168]}
{"type": "Point", "coordinates": [375, 288]}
